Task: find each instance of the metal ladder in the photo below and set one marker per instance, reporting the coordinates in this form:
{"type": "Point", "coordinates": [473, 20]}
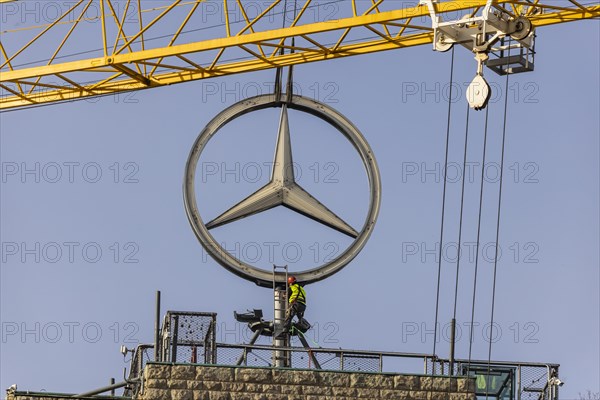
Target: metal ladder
{"type": "Point", "coordinates": [280, 303]}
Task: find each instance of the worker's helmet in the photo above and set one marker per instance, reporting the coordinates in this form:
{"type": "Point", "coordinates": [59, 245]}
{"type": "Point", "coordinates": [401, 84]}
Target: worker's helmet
{"type": "Point", "coordinates": [291, 280]}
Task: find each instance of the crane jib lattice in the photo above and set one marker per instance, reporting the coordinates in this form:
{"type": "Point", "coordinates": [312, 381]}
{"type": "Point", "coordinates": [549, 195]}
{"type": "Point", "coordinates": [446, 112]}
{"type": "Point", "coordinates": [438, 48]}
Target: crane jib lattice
{"type": "Point", "coordinates": [89, 48]}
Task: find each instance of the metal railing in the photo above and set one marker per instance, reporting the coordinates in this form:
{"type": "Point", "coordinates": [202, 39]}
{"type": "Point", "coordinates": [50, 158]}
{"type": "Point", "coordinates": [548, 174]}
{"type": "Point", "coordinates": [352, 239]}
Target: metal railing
{"type": "Point", "coordinates": [504, 380]}
{"type": "Point", "coordinates": [329, 359]}
{"type": "Point", "coordinates": [185, 337]}
{"type": "Point", "coordinates": [500, 380]}
{"type": "Point", "coordinates": [142, 354]}
{"type": "Point", "coordinates": [188, 337]}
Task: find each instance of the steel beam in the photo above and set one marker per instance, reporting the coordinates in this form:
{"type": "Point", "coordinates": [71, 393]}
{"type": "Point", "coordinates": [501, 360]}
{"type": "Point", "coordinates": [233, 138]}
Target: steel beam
{"type": "Point", "coordinates": [120, 71]}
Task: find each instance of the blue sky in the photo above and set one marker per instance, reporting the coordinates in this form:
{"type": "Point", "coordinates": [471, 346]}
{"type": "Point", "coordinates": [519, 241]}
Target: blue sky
{"type": "Point", "coordinates": [88, 240]}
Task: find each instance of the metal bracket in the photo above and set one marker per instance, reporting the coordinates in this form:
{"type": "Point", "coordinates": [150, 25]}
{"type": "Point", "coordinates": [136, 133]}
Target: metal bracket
{"type": "Point", "coordinates": [476, 33]}
{"type": "Point", "coordinates": [479, 33]}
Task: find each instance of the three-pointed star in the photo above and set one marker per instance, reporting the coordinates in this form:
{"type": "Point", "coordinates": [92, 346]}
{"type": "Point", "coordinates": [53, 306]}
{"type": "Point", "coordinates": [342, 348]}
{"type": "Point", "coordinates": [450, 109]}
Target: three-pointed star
{"type": "Point", "coordinates": [282, 190]}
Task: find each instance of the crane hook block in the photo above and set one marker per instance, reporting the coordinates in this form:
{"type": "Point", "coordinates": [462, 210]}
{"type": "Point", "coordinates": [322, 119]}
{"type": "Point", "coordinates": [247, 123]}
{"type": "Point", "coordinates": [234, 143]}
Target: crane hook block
{"type": "Point", "coordinates": [478, 93]}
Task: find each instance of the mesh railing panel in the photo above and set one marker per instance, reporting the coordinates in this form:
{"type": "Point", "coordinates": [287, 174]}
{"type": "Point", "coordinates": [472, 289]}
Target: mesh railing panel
{"type": "Point", "coordinates": [439, 367]}
{"type": "Point", "coordinates": [254, 357]}
{"type": "Point", "coordinates": [328, 359]}
{"type": "Point", "coordinates": [191, 354]}
{"type": "Point", "coordinates": [534, 382]}
{"type": "Point", "coordinates": [361, 363]}
{"type": "Point", "coordinates": [190, 327]}
{"type": "Point", "coordinates": [189, 337]}
{"type": "Point", "coordinates": [529, 381]}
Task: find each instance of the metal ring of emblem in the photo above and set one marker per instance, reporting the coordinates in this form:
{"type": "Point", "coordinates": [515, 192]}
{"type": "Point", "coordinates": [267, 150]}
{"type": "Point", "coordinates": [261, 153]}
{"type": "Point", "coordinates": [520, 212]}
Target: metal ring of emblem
{"type": "Point", "coordinates": [217, 252]}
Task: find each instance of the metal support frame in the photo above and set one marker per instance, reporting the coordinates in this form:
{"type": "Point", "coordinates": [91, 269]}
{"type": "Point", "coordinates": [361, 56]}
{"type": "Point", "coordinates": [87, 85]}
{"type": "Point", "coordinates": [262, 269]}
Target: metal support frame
{"type": "Point", "coordinates": [310, 352]}
{"type": "Point", "coordinates": [479, 33]}
{"type": "Point", "coordinates": [136, 62]}
{"type": "Point", "coordinates": [281, 358]}
{"type": "Point", "coordinates": [210, 349]}
{"type": "Point", "coordinates": [104, 389]}
{"type": "Point", "coordinates": [165, 348]}
{"type": "Point", "coordinates": [175, 339]}
{"type": "Point", "coordinates": [244, 356]}
{"type": "Point", "coordinates": [157, 328]}
{"type": "Point", "coordinates": [518, 376]}
{"type": "Point", "coordinates": [452, 345]}
{"type": "Point", "coordinates": [171, 337]}
{"type": "Point", "coordinates": [518, 382]}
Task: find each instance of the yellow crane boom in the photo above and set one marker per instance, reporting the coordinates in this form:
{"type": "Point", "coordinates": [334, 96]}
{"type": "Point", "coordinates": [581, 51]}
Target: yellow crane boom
{"type": "Point", "coordinates": [98, 47]}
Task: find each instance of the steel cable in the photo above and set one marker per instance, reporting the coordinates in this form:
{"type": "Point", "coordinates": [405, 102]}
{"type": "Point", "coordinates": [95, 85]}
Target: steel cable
{"type": "Point", "coordinates": [478, 236]}
{"type": "Point", "coordinates": [460, 223]}
{"type": "Point", "coordinates": [498, 226]}
{"type": "Point", "coordinates": [437, 301]}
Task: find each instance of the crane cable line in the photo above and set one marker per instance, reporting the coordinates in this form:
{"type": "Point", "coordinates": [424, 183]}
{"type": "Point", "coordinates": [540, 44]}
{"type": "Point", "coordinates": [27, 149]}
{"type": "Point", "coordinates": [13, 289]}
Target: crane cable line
{"type": "Point", "coordinates": [462, 202]}
{"type": "Point", "coordinates": [497, 227]}
{"type": "Point", "coordinates": [478, 236]}
{"type": "Point", "coordinates": [460, 223]}
{"type": "Point", "coordinates": [290, 83]}
{"type": "Point", "coordinates": [437, 300]}
{"type": "Point", "coordinates": [279, 70]}
{"type": "Point", "coordinates": [478, 228]}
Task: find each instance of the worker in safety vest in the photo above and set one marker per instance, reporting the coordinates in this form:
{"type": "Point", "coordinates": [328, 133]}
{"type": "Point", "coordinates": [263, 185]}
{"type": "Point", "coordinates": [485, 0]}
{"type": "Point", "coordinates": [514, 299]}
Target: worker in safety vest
{"type": "Point", "coordinates": [297, 303]}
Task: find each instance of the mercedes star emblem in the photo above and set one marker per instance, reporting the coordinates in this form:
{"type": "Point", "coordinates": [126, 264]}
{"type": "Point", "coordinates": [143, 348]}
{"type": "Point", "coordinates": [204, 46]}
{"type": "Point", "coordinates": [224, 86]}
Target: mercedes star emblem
{"type": "Point", "coordinates": [282, 189]}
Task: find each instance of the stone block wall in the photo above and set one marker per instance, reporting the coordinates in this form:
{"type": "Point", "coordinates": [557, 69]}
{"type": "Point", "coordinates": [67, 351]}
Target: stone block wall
{"type": "Point", "coordinates": [196, 382]}
{"type": "Point", "coordinates": [56, 396]}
